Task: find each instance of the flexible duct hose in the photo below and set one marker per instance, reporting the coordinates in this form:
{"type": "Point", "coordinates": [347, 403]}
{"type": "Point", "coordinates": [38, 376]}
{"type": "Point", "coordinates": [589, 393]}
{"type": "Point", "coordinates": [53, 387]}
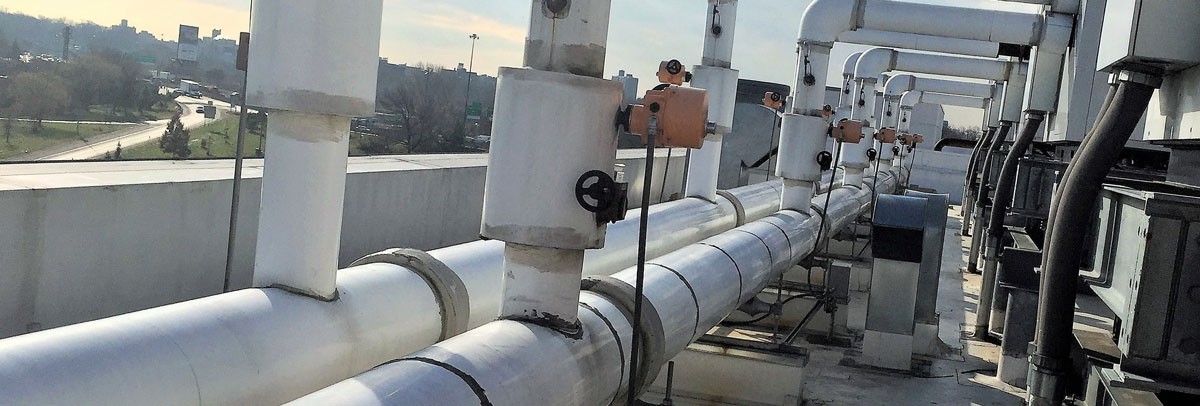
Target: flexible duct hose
{"type": "Point", "coordinates": [1000, 204]}
{"type": "Point", "coordinates": [1056, 304]}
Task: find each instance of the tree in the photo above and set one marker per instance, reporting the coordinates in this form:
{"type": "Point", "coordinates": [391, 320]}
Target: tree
{"type": "Point", "coordinates": [8, 130]}
{"type": "Point", "coordinates": [176, 139]}
{"type": "Point", "coordinates": [965, 133]}
{"type": "Point", "coordinates": [38, 95]}
{"type": "Point", "coordinates": [428, 109]}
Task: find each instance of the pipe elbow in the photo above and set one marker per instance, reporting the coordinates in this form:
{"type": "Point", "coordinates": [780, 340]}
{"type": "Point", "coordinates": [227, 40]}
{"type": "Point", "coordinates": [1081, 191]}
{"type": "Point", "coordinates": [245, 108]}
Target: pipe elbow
{"type": "Point", "coordinates": [910, 99]}
{"type": "Point", "coordinates": [897, 85]}
{"type": "Point", "coordinates": [873, 63]}
{"type": "Point", "coordinates": [823, 20]}
{"type": "Point", "coordinates": [1056, 33]}
{"type": "Point", "coordinates": [851, 61]}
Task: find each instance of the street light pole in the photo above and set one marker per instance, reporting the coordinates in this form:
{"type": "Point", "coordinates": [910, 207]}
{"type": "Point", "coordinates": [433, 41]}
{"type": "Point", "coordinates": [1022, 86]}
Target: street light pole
{"type": "Point", "coordinates": [470, 68]}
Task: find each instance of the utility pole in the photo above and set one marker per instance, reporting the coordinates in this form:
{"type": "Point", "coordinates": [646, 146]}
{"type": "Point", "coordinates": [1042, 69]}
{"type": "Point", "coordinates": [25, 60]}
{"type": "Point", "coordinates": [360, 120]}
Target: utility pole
{"type": "Point", "coordinates": [470, 68]}
{"type": "Point", "coordinates": [66, 43]}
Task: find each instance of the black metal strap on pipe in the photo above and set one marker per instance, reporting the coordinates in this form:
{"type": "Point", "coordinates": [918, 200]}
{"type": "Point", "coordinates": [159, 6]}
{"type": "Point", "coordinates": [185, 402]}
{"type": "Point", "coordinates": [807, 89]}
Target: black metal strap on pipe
{"type": "Point", "coordinates": [1056, 306]}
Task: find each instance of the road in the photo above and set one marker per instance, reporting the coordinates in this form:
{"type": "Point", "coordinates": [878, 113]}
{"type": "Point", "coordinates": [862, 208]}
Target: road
{"type": "Point", "coordinates": [151, 132]}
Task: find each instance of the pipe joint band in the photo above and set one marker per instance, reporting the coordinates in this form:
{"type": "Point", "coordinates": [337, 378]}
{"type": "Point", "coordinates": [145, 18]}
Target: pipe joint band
{"type": "Point", "coordinates": [449, 289]}
{"type": "Point", "coordinates": [653, 355]}
{"type": "Point", "coordinates": [737, 206]}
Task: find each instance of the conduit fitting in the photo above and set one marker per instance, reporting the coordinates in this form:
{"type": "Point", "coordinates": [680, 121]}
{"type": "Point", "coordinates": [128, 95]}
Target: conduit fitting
{"type": "Point", "coordinates": [311, 78]}
{"type": "Point", "coordinates": [801, 142]}
{"type": "Point", "coordinates": [449, 289]}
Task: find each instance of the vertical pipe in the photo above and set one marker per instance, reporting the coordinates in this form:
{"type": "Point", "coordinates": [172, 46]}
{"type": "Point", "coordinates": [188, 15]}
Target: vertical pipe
{"type": "Point", "coordinates": [300, 223]}
{"type": "Point", "coordinates": [968, 204]}
{"type": "Point", "coordinates": [715, 76]}
{"type": "Point", "coordinates": [995, 230]}
{"type": "Point", "coordinates": [311, 78]}
{"type": "Point", "coordinates": [542, 151]}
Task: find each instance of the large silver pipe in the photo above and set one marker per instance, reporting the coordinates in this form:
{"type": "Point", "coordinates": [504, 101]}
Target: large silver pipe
{"type": "Point", "coordinates": [689, 290]}
{"type": "Point", "coordinates": [268, 346]}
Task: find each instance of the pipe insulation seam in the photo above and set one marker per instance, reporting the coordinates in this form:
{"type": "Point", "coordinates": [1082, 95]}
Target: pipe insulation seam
{"type": "Point", "coordinates": [621, 295]}
{"type": "Point", "coordinates": [737, 205]}
{"type": "Point", "coordinates": [690, 289]}
{"type": "Point", "coordinates": [449, 289]}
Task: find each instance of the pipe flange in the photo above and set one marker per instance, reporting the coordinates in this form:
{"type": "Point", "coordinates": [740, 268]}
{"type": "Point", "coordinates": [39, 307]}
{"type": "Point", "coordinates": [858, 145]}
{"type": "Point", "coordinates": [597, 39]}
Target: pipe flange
{"type": "Point", "coordinates": [737, 206]}
{"type": "Point", "coordinates": [448, 288]}
{"type": "Point", "coordinates": [653, 337]}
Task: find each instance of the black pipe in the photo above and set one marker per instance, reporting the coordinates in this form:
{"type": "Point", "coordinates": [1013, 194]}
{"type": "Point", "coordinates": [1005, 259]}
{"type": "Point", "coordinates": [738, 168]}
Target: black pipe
{"type": "Point", "coordinates": [995, 230]}
{"type": "Point", "coordinates": [968, 208]}
{"type": "Point", "coordinates": [1056, 305]}
{"type": "Point", "coordinates": [981, 195]}
{"type": "Point", "coordinates": [956, 143]}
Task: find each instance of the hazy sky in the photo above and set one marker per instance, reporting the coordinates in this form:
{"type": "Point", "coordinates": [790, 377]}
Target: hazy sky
{"type": "Point", "coordinates": [642, 32]}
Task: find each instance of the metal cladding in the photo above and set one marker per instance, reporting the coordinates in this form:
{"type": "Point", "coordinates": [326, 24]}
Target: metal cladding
{"type": "Point", "coordinates": [683, 287]}
{"type": "Point", "coordinates": [801, 139]}
{"type": "Point", "coordinates": [535, 161]}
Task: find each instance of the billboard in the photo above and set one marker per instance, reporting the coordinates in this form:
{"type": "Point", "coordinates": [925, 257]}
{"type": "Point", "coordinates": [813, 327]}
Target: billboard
{"type": "Point", "coordinates": [189, 42]}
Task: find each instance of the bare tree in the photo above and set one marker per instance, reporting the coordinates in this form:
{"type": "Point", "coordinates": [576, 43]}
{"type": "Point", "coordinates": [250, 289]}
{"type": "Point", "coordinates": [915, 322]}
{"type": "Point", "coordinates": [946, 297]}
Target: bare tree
{"type": "Point", "coordinates": [428, 110]}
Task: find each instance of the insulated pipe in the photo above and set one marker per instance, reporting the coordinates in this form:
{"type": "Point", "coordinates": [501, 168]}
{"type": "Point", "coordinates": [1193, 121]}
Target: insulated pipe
{"type": "Point", "coordinates": [311, 78]}
{"type": "Point", "coordinates": [268, 346]}
{"type": "Point", "coordinates": [715, 76]}
{"type": "Point", "coordinates": [568, 37]}
{"type": "Point", "coordinates": [929, 43]}
{"type": "Point", "coordinates": [981, 196]}
{"type": "Point", "coordinates": [1050, 360]}
{"type": "Point", "coordinates": [879, 60]}
{"type": "Point", "coordinates": [847, 97]}
{"type": "Point", "coordinates": [553, 127]}
{"type": "Point", "coordinates": [899, 84]}
{"type": "Point", "coordinates": [995, 232]}
{"type": "Point", "coordinates": [505, 362]}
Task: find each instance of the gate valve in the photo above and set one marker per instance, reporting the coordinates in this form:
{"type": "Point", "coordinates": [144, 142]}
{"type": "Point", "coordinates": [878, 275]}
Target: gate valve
{"type": "Point", "coordinates": [826, 110]}
{"type": "Point", "coordinates": [598, 193]}
{"type": "Point", "coordinates": [677, 115]}
{"type": "Point", "coordinates": [773, 101]}
{"type": "Point", "coordinates": [871, 153]}
{"type": "Point", "coordinates": [824, 160]}
{"type": "Point", "coordinates": [895, 150]}
{"type": "Point", "coordinates": [886, 135]}
{"type": "Point", "coordinates": [905, 139]}
{"type": "Point", "coordinates": [847, 131]}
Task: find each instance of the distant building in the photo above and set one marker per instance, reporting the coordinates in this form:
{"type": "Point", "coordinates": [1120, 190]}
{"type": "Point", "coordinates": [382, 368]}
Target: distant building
{"type": "Point", "coordinates": [629, 84]}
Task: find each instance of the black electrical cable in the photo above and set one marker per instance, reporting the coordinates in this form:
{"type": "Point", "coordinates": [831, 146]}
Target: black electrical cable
{"type": "Point", "coordinates": [837, 155]}
{"type": "Point", "coordinates": [638, 292]}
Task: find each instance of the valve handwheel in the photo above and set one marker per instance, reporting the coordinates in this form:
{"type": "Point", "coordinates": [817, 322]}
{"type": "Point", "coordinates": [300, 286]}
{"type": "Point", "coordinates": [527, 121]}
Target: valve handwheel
{"type": "Point", "coordinates": [598, 186]}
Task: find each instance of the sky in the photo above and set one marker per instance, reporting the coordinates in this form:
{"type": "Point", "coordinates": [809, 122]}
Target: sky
{"type": "Point", "coordinates": [641, 32]}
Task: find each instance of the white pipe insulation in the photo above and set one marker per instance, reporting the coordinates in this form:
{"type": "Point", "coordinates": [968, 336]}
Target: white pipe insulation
{"type": "Point", "coordinates": [929, 43]}
{"type": "Point", "coordinates": [715, 76]}
{"type": "Point", "coordinates": [687, 293]}
{"type": "Point", "coordinates": [311, 78]}
{"type": "Point", "coordinates": [268, 346]}
{"type": "Point", "coordinates": [553, 126]}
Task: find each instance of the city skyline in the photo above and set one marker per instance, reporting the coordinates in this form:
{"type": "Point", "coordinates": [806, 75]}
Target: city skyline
{"type": "Point", "coordinates": [437, 33]}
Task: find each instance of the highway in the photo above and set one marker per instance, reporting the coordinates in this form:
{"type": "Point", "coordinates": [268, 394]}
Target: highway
{"type": "Point", "coordinates": [151, 131]}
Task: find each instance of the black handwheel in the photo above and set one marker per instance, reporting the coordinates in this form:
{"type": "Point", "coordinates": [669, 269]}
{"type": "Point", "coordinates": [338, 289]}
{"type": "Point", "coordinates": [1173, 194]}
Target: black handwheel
{"type": "Point", "coordinates": [598, 186]}
{"type": "Point", "coordinates": [825, 160]}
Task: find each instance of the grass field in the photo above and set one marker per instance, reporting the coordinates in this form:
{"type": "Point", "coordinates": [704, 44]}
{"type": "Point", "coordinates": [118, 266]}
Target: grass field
{"type": "Point", "coordinates": [213, 140]}
{"type": "Point", "coordinates": [101, 113]}
{"type": "Point", "coordinates": [24, 139]}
